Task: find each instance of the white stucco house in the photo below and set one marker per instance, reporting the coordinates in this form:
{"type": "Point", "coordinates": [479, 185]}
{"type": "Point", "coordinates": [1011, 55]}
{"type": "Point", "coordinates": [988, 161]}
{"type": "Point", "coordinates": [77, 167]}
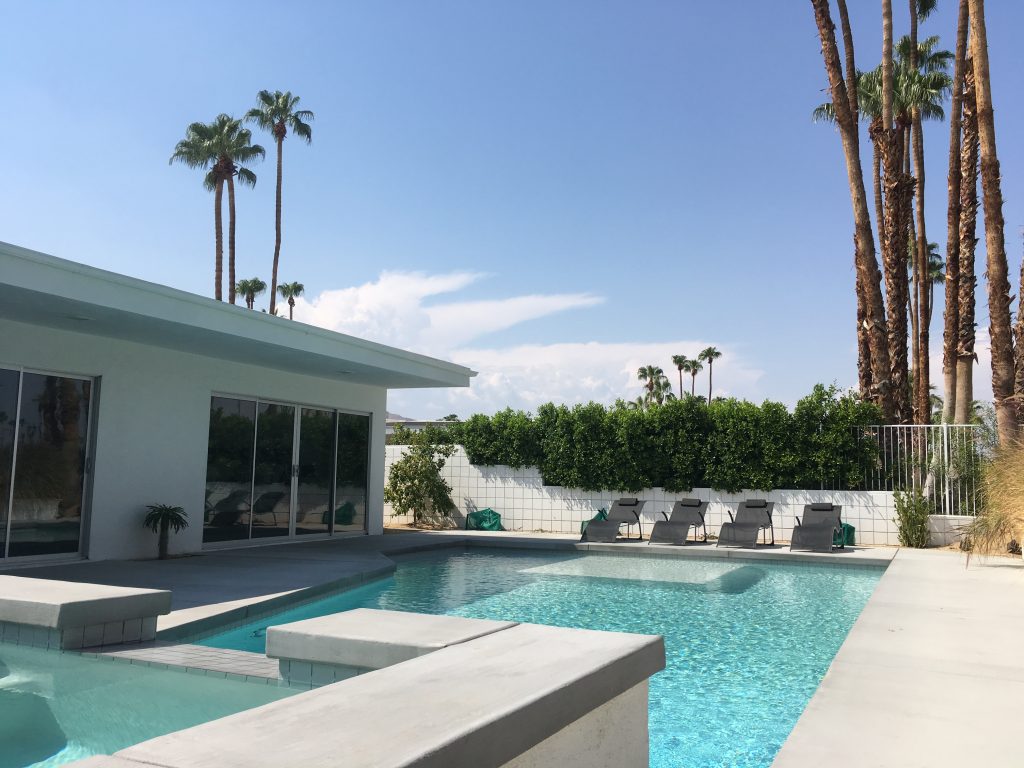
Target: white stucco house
{"type": "Point", "coordinates": [116, 393]}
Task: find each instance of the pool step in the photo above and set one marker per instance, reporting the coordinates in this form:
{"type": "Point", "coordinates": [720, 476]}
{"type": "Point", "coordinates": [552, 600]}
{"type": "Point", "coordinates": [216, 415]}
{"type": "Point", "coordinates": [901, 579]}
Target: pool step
{"type": "Point", "coordinates": [198, 659]}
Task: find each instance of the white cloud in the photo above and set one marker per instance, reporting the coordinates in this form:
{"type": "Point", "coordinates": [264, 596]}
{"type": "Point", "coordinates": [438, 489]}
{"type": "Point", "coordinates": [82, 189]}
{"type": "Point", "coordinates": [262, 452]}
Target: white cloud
{"type": "Point", "coordinates": [391, 311]}
{"type": "Point", "coordinates": [395, 310]}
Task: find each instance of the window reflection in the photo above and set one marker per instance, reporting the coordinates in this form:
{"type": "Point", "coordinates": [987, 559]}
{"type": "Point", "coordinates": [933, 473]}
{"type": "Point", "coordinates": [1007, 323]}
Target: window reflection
{"type": "Point", "coordinates": [262, 482]}
{"type": "Point", "coordinates": [275, 433]}
{"type": "Point", "coordinates": [352, 466]}
{"type": "Point", "coordinates": [229, 469]}
{"type": "Point", "coordinates": [46, 514]}
{"type": "Point", "coordinates": [316, 465]}
{"type": "Point", "coordinates": [8, 415]}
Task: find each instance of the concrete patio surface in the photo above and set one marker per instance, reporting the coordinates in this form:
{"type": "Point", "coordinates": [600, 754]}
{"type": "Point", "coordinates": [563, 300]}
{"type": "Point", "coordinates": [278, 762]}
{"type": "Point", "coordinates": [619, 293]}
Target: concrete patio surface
{"type": "Point", "coordinates": [931, 674]}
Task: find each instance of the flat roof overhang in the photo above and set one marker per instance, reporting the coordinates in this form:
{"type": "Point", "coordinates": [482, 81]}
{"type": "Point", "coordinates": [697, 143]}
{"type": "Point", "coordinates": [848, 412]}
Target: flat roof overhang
{"type": "Point", "coordinates": [39, 289]}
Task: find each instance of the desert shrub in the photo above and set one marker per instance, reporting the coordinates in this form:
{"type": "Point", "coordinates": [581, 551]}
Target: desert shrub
{"type": "Point", "coordinates": [912, 510]}
{"type": "Point", "coordinates": [1002, 518]}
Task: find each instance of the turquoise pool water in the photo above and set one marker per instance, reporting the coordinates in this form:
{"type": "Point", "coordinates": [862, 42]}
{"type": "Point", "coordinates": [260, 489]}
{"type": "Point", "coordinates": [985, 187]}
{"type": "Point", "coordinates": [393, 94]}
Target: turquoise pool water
{"type": "Point", "coordinates": [56, 708]}
{"type": "Point", "coordinates": [747, 644]}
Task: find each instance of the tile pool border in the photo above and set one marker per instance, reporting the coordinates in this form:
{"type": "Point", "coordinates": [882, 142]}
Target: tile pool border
{"type": "Point", "coordinates": [238, 616]}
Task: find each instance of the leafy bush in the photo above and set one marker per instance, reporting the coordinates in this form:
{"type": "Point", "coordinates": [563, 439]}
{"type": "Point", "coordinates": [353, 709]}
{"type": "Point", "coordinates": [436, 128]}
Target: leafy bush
{"type": "Point", "coordinates": [415, 485]}
{"type": "Point", "coordinates": [912, 510]}
{"type": "Point", "coordinates": [730, 445]}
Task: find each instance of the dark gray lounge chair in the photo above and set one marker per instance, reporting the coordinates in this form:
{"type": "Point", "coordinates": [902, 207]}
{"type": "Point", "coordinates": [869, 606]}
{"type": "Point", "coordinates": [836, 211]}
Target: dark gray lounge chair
{"type": "Point", "coordinates": [625, 511]}
{"type": "Point", "coordinates": [816, 530]}
{"type": "Point", "coordinates": [752, 517]}
{"type": "Point", "coordinates": [675, 528]}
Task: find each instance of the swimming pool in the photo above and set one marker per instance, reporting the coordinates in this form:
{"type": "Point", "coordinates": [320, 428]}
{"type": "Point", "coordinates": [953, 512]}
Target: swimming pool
{"type": "Point", "coordinates": [747, 644]}
{"type": "Point", "coordinates": [56, 708]}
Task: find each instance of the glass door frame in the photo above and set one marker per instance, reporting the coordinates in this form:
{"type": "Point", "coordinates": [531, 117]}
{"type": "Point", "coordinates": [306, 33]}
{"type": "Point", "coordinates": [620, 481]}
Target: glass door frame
{"type": "Point", "coordinates": [87, 466]}
{"type": "Point", "coordinates": [293, 495]}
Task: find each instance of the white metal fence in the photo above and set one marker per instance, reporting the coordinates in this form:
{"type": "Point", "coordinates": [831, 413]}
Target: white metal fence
{"type": "Point", "coordinates": [942, 460]}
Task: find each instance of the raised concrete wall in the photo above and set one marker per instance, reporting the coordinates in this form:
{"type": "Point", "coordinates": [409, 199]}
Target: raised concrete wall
{"type": "Point", "coordinates": [615, 735]}
{"type": "Point", "coordinates": [526, 504]}
{"type": "Point", "coordinates": [152, 426]}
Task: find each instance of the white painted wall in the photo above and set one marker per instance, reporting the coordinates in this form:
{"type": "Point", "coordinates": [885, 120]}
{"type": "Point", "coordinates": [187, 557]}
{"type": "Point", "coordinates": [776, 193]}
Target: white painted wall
{"type": "Point", "coordinates": [526, 504]}
{"type": "Point", "coordinates": [152, 425]}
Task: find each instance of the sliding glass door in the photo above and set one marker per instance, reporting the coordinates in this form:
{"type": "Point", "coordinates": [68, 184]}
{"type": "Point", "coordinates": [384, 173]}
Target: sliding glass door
{"type": "Point", "coordinates": [276, 470]}
{"type": "Point", "coordinates": [44, 438]}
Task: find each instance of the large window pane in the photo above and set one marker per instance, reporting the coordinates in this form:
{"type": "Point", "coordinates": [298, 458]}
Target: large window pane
{"type": "Point", "coordinates": [316, 471]}
{"type": "Point", "coordinates": [46, 517]}
{"type": "Point", "coordinates": [275, 436]}
{"type": "Point", "coordinates": [229, 469]}
{"type": "Point", "coordinates": [8, 413]}
{"type": "Point", "coordinates": [353, 460]}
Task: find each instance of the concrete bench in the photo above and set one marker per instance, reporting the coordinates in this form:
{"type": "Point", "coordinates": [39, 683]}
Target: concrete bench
{"type": "Point", "coordinates": [326, 649]}
{"type": "Point", "coordinates": [521, 697]}
{"type": "Point", "coordinates": [68, 615]}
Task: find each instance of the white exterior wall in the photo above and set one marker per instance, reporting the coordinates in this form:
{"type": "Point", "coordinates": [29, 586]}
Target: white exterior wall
{"type": "Point", "coordinates": [526, 504]}
{"type": "Point", "coordinates": [151, 416]}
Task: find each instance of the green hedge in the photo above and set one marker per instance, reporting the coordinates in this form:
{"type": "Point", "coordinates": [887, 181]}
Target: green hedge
{"type": "Point", "coordinates": [730, 445]}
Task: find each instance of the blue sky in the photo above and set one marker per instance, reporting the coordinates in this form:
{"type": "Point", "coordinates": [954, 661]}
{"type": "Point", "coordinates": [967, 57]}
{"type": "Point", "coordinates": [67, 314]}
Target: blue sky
{"type": "Point", "coordinates": [550, 192]}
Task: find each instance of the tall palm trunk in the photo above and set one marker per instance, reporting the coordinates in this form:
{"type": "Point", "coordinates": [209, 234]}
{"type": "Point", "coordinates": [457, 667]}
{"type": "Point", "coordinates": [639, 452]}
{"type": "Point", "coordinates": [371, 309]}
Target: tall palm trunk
{"type": "Point", "coordinates": [711, 368]}
{"type": "Point", "coordinates": [876, 180]}
{"type": "Point", "coordinates": [218, 225]}
{"type": "Point", "coordinates": [291, 309]}
{"type": "Point", "coordinates": [231, 237]}
{"type": "Point", "coordinates": [680, 383]}
{"type": "Point", "coordinates": [863, 343]}
{"type": "Point", "coordinates": [966, 241]}
{"type": "Point", "coordinates": [951, 316]}
{"type": "Point", "coordinates": [1000, 333]}
{"type": "Point", "coordinates": [693, 384]}
{"type": "Point", "coordinates": [864, 243]}
{"type": "Point", "coordinates": [279, 134]}
{"type": "Point", "coordinates": [922, 370]}
{"type": "Point", "coordinates": [863, 340]}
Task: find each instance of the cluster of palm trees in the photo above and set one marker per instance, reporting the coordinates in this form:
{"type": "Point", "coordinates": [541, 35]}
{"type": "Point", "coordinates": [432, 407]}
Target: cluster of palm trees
{"type": "Point", "coordinates": [908, 87]}
{"type": "Point", "coordinates": [224, 149]}
{"type": "Point", "coordinates": [657, 387]}
{"type": "Point", "coordinates": [249, 289]}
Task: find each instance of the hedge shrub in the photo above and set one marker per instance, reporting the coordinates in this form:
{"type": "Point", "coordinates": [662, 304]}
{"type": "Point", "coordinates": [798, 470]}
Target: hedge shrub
{"type": "Point", "coordinates": [731, 445]}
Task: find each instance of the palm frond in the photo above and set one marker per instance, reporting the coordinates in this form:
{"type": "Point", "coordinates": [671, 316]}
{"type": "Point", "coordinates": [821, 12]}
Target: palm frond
{"type": "Point", "coordinates": [246, 177]}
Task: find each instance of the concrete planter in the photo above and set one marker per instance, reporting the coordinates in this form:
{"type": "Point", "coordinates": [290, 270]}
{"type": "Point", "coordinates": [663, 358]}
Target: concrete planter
{"type": "Point", "coordinates": [945, 529]}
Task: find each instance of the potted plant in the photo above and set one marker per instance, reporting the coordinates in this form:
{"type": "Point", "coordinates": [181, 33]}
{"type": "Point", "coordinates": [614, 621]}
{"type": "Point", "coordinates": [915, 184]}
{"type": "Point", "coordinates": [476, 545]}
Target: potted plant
{"type": "Point", "coordinates": [160, 519]}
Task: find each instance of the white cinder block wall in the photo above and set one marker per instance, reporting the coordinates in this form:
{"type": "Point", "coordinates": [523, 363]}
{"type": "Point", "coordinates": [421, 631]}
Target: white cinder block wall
{"type": "Point", "coordinates": [526, 504]}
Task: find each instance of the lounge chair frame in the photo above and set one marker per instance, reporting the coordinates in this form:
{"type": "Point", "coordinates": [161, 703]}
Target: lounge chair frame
{"type": "Point", "coordinates": [753, 516]}
{"type": "Point", "coordinates": [675, 528]}
{"type": "Point", "coordinates": [816, 531]}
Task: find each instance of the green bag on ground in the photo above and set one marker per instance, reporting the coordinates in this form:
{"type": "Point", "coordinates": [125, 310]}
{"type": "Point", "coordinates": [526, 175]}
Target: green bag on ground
{"type": "Point", "coordinates": [484, 520]}
{"type": "Point", "coordinates": [601, 515]}
{"type": "Point", "coordinates": [847, 537]}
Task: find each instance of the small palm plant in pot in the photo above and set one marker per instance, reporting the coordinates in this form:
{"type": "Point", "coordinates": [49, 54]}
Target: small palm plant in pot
{"type": "Point", "coordinates": [160, 519]}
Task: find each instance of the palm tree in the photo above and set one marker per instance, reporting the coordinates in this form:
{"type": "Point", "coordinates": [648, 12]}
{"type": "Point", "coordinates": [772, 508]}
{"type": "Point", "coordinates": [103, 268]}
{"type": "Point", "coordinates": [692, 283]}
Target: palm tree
{"type": "Point", "coordinates": [1004, 382]}
{"type": "Point", "coordinates": [967, 244]}
{"type": "Point", "coordinates": [250, 289]}
{"type": "Point", "coordinates": [196, 151]}
{"type": "Point", "coordinates": [650, 375]}
{"type": "Point", "coordinates": [289, 291]}
{"type": "Point", "coordinates": [276, 112]}
{"type": "Point", "coordinates": [709, 356]}
{"type": "Point", "coordinates": [221, 147]}
{"type": "Point", "coordinates": [693, 367]}
{"type": "Point", "coordinates": [679, 361]}
{"type": "Point", "coordinates": [954, 274]}
{"type": "Point", "coordinates": [845, 104]}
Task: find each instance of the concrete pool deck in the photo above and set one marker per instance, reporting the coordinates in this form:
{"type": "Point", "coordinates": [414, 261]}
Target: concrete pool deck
{"type": "Point", "coordinates": [929, 675]}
